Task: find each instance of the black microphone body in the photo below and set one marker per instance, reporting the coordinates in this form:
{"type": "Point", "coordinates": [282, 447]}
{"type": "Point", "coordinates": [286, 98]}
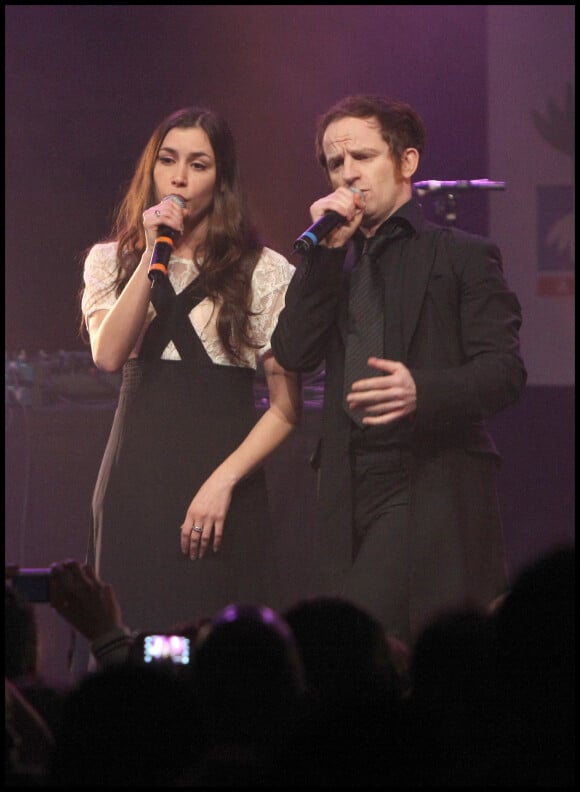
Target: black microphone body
{"type": "Point", "coordinates": [164, 244]}
{"type": "Point", "coordinates": [320, 229]}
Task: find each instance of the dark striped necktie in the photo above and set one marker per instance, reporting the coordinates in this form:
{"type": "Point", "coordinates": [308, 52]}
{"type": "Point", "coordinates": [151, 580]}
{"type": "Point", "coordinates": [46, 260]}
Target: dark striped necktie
{"type": "Point", "coordinates": [365, 330]}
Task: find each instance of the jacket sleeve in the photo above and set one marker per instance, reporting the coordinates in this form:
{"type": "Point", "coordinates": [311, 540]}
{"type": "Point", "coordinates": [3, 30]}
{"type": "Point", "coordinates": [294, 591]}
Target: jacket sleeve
{"type": "Point", "coordinates": [300, 339]}
{"type": "Point", "coordinates": [491, 373]}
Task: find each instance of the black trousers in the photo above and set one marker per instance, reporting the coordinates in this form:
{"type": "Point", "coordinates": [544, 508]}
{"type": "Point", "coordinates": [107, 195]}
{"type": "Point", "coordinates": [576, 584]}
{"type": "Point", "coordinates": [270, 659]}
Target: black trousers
{"type": "Point", "coordinates": [378, 580]}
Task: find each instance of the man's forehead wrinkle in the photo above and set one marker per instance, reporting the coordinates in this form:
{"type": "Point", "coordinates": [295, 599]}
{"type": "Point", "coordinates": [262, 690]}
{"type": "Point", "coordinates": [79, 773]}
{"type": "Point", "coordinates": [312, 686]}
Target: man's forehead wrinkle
{"type": "Point", "coordinates": [334, 137]}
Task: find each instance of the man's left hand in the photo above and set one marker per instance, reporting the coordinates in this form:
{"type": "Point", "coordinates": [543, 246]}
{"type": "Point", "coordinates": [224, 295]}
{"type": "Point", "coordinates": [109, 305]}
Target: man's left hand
{"type": "Point", "coordinates": [384, 399]}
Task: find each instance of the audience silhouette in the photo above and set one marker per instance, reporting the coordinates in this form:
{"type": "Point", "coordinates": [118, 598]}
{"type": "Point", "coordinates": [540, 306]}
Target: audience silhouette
{"type": "Point", "coordinates": [315, 696]}
{"type": "Point", "coordinates": [28, 741]}
{"type": "Point", "coordinates": [249, 684]}
{"type": "Point", "coordinates": [350, 729]}
{"type": "Point", "coordinates": [33, 706]}
{"type": "Point", "coordinates": [535, 630]}
{"type": "Point", "coordinates": [458, 733]}
{"type": "Point", "coordinates": [127, 725]}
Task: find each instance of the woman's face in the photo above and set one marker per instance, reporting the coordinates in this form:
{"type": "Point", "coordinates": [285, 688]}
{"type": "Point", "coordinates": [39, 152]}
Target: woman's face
{"type": "Point", "coordinates": [186, 167]}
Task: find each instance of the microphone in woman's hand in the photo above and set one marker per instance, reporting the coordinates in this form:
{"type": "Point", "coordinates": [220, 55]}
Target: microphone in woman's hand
{"type": "Point", "coordinates": [164, 243]}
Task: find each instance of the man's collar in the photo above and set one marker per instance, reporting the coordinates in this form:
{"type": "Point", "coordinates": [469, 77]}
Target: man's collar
{"type": "Point", "coordinates": [410, 214]}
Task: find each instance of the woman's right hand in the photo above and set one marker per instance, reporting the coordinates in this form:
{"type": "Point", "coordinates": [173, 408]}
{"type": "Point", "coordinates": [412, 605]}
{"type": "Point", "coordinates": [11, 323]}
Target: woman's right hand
{"type": "Point", "coordinates": [167, 212]}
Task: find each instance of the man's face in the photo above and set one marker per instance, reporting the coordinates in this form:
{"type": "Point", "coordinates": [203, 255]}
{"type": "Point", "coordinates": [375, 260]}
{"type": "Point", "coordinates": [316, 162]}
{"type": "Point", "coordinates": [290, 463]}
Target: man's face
{"type": "Point", "coordinates": [357, 156]}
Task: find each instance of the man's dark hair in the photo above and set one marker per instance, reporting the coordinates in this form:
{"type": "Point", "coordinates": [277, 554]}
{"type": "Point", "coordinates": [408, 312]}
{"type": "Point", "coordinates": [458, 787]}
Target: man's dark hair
{"type": "Point", "coordinates": [401, 126]}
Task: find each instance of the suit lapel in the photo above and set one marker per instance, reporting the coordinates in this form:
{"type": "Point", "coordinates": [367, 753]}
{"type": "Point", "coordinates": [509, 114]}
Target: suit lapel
{"type": "Point", "coordinates": [417, 270]}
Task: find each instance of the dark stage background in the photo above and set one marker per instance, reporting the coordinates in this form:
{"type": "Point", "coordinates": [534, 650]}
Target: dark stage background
{"type": "Point", "coordinates": [86, 85]}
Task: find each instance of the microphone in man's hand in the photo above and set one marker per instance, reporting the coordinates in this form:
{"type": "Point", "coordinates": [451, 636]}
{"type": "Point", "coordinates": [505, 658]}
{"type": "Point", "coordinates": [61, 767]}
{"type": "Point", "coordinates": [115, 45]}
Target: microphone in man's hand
{"type": "Point", "coordinates": [320, 229]}
{"type": "Point", "coordinates": [164, 244]}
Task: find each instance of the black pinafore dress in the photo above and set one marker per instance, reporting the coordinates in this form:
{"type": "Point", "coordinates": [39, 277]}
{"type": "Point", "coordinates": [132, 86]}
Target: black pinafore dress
{"type": "Point", "coordinates": [175, 422]}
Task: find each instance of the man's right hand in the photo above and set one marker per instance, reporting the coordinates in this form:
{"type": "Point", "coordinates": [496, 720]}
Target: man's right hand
{"type": "Point", "coordinates": [347, 202]}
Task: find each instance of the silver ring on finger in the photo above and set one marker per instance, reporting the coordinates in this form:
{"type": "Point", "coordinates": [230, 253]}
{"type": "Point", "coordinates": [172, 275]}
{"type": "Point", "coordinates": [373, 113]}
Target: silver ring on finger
{"type": "Point", "coordinates": [197, 528]}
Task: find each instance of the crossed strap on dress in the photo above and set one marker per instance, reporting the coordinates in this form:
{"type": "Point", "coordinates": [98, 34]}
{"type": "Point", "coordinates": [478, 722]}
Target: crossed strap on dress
{"type": "Point", "coordinates": [172, 322]}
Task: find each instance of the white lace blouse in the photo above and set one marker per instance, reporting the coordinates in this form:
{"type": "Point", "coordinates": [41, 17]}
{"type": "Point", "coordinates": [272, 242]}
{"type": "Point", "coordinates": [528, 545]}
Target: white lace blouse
{"type": "Point", "coordinates": [269, 282]}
